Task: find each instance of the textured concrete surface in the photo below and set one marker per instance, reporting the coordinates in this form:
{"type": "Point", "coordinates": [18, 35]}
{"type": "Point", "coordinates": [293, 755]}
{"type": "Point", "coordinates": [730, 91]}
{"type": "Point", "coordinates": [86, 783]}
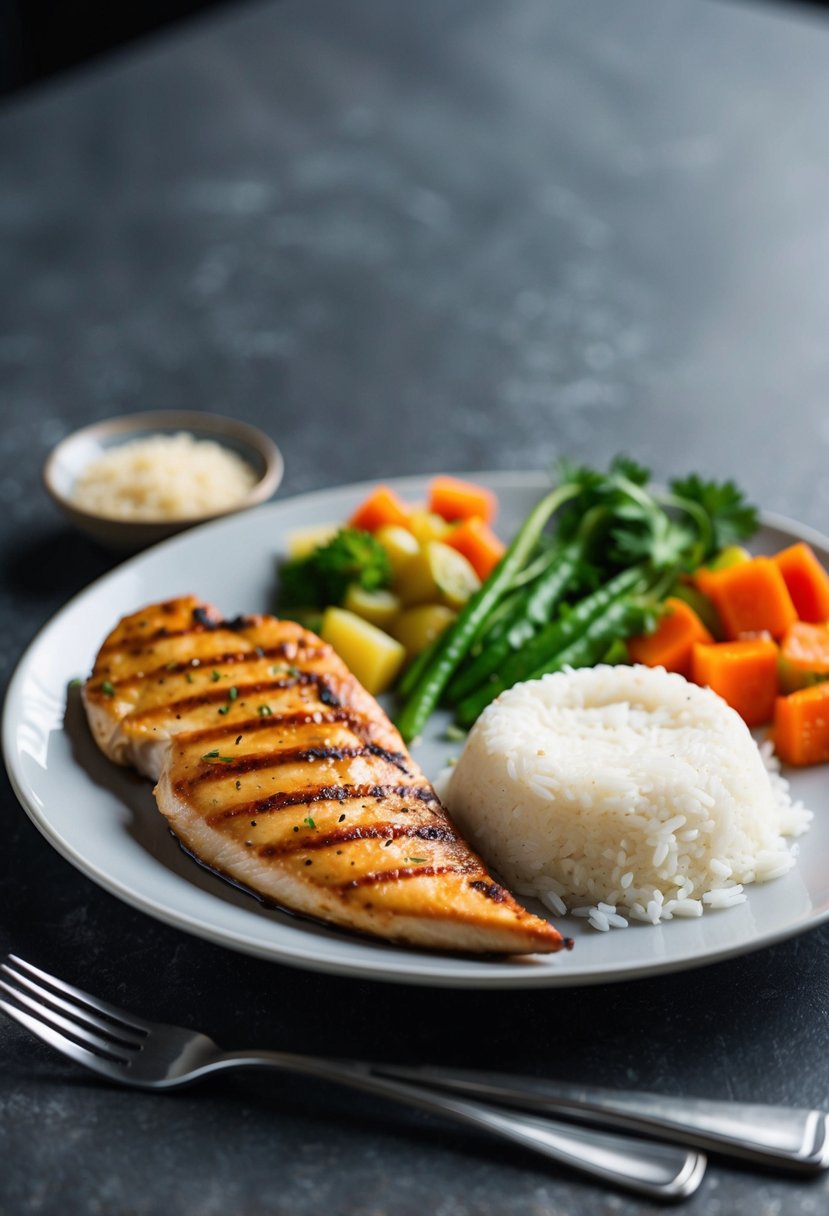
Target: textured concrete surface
{"type": "Point", "coordinates": [405, 238]}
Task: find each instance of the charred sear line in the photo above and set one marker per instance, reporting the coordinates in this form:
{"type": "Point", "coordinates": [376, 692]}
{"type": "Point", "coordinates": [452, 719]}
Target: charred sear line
{"type": "Point", "coordinates": [398, 873]}
{"type": "Point", "coordinates": [158, 635]}
{"type": "Point", "coordinates": [490, 890]}
{"type": "Point", "coordinates": [209, 661]}
{"type": "Point", "coordinates": [360, 726]}
{"type": "Point", "coordinates": [320, 793]}
{"type": "Point", "coordinates": [203, 617]}
{"type": "Point", "coordinates": [217, 694]}
{"type": "Point", "coordinates": [314, 841]}
{"type": "Point", "coordinates": [290, 755]}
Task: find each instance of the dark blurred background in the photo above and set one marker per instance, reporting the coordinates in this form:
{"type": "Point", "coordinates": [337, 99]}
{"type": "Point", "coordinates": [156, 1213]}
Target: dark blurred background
{"type": "Point", "coordinates": [40, 38]}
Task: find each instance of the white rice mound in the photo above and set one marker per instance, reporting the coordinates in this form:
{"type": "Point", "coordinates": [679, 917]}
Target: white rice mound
{"type": "Point", "coordinates": [619, 793]}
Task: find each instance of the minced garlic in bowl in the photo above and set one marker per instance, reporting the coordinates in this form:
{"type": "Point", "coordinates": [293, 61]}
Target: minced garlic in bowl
{"type": "Point", "coordinates": [163, 477]}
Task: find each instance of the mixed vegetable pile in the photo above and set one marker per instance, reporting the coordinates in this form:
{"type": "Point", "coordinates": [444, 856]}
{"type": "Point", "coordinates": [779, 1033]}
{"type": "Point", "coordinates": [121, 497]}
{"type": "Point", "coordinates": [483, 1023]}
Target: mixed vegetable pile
{"type": "Point", "coordinates": [605, 568]}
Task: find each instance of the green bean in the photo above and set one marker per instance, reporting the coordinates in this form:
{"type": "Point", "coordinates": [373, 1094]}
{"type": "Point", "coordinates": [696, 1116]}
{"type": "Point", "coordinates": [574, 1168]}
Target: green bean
{"type": "Point", "coordinates": [550, 642]}
{"type": "Point", "coordinates": [455, 641]}
{"type": "Point", "coordinates": [534, 609]}
{"type": "Point", "coordinates": [622, 619]}
{"type": "Point", "coordinates": [416, 668]}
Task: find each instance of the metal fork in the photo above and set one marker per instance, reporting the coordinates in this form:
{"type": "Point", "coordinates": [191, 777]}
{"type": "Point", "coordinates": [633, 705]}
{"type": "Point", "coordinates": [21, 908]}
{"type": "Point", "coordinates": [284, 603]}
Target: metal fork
{"type": "Point", "coordinates": [151, 1055]}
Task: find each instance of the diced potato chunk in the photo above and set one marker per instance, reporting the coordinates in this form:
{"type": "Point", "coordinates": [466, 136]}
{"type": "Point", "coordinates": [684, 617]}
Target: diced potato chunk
{"type": "Point", "coordinates": [302, 541]}
{"type": "Point", "coordinates": [417, 627]}
{"type": "Point", "coordinates": [373, 656]}
{"type": "Point", "coordinates": [380, 607]}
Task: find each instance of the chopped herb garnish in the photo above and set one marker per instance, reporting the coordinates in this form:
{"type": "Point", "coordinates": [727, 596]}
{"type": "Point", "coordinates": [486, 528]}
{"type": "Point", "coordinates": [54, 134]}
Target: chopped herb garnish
{"type": "Point", "coordinates": [310, 822]}
{"type": "Point", "coordinates": [211, 755]}
{"type": "Point", "coordinates": [454, 734]}
{"type": "Point", "coordinates": [224, 709]}
{"type": "Point", "coordinates": [108, 688]}
{"type": "Point", "coordinates": [414, 859]}
{"type": "Point", "coordinates": [264, 711]}
{"type": "Point", "coordinates": [189, 677]}
{"type": "Point", "coordinates": [172, 666]}
{"type": "Point", "coordinates": [215, 675]}
{"type": "Point", "coordinates": [233, 693]}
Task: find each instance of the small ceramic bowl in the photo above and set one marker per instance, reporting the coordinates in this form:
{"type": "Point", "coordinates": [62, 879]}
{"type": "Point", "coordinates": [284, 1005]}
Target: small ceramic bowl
{"type": "Point", "coordinates": [73, 454]}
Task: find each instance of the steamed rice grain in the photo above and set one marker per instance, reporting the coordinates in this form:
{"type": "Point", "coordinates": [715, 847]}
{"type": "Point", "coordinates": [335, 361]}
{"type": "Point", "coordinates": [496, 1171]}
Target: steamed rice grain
{"type": "Point", "coordinates": [623, 792]}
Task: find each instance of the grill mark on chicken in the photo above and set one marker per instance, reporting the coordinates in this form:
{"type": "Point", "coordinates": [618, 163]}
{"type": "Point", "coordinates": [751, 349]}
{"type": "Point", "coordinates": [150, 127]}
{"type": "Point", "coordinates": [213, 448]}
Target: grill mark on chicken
{"type": "Point", "coordinates": [490, 890]}
{"type": "Point", "coordinates": [218, 696]}
{"type": "Point", "coordinates": [313, 841]}
{"type": "Point", "coordinates": [291, 755]}
{"type": "Point", "coordinates": [193, 666]}
{"type": "Point", "coordinates": [362, 727]}
{"type": "Point", "coordinates": [318, 793]}
{"type": "Point", "coordinates": [397, 872]}
{"type": "Point", "coordinates": [138, 643]}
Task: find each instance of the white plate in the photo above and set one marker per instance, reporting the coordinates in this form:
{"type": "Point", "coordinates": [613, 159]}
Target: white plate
{"type": "Point", "coordinates": [103, 819]}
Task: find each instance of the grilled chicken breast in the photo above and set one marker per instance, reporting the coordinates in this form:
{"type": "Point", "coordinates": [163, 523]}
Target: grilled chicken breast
{"type": "Point", "coordinates": [275, 768]}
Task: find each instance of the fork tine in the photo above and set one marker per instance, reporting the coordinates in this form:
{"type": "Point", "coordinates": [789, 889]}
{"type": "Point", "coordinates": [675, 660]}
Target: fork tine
{"type": "Point", "coordinates": [81, 1014]}
{"type": "Point", "coordinates": [123, 1019]}
{"type": "Point", "coordinates": [75, 1030]}
{"type": "Point", "coordinates": [67, 1047]}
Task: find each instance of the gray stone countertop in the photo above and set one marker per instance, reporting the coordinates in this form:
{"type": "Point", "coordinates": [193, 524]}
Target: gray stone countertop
{"type": "Point", "coordinates": [405, 238]}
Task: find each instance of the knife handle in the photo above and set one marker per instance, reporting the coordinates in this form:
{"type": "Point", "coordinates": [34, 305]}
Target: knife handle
{"type": "Point", "coordinates": [774, 1135]}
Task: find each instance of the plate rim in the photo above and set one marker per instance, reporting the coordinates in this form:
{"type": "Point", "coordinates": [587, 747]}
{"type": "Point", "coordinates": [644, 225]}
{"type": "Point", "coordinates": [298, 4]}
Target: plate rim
{"type": "Point", "coordinates": [421, 968]}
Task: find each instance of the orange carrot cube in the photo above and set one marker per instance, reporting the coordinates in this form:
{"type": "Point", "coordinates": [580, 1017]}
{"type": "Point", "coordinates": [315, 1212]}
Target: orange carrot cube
{"type": "Point", "coordinates": [671, 645]}
{"type": "Point", "coordinates": [455, 499]}
{"type": "Point", "coordinates": [382, 506]}
{"type": "Point", "coordinates": [806, 579]}
{"type": "Point", "coordinates": [744, 673]}
{"type": "Point", "coordinates": [478, 543]}
{"type": "Point", "coordinates": [800, 730]}
{"type": "Point", "coordinates": [751, 597]}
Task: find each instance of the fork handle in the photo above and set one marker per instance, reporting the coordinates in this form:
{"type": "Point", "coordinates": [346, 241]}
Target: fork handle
{"type": "Point", "coordinates": [647, 1167]}
{"type": "Point", "coordinates": [773, 1135]}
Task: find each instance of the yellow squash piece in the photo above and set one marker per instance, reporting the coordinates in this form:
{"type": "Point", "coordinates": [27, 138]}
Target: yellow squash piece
{"type": "Point", "coordinates": [400, 545]}
{"type": "Point", "coordinates": [379, 607]}
{"type": "Point", "coordinates": [438, 574]}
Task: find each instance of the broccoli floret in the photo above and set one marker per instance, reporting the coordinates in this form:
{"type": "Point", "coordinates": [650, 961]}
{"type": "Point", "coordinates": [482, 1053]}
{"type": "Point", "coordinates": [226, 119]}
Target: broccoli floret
{"type": "Point", "coordinates": [322, 578]}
